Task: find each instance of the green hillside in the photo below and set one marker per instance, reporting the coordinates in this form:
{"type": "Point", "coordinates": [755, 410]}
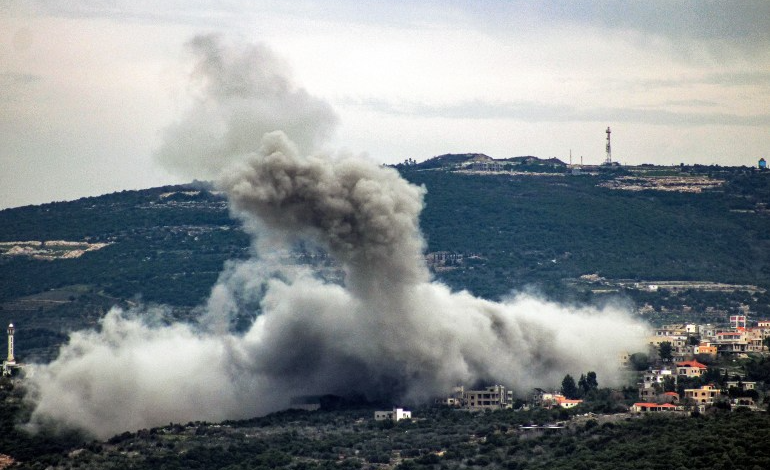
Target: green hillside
{"type": "Point", "coordinates": [530, 229]}
{"type": "Point", "coordinates": [535, 224]}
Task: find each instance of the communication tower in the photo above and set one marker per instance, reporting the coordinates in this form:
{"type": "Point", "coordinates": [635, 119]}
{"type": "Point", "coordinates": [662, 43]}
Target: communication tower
{"type": "Point", "coordinates": [11, 330]}
{"type": "Point", "coordinates": [608, 159]}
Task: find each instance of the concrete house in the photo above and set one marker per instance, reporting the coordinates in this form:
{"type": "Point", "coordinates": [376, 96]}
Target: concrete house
{"type": "Point", "coordinates": [397, 414]}
{"type": "Point", "coordinates": [652, 383]}
{"type": "Point", "coordinates": [706, 395]}
{"type": "Point", "coordinates": [691, 369]}
{"type": "Point", "coordinates": [652, 407]}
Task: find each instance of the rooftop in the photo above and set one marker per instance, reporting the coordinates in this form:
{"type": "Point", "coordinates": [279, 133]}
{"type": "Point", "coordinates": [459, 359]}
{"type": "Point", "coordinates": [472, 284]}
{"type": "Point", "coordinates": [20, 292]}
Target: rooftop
{"type": "Point", "coordinates": [691, 364]}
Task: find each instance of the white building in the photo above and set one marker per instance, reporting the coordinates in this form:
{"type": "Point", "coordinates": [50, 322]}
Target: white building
{"type": "Point", "coordinates": [738, 322]}
{"type": "Point", "coordinates": [691, 329]}
{"type": "Point", "coordinates": [396, 414]}
{"type": "Point", "coordinates": [549, 400]}
{"type": "Point", "coordinates": [567, 402]}
{"type": "Point", "coordinates": [624, 358]}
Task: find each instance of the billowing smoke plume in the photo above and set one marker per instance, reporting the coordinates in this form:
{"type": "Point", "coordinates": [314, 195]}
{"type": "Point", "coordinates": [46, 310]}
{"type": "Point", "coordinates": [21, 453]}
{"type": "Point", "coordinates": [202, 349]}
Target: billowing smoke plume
{"type": "Point", "coordinates": [243, 92]}
{"type": "Point", "coordinates": [366, 216]}
{"type": "Point", "coordinates": [388, 330]}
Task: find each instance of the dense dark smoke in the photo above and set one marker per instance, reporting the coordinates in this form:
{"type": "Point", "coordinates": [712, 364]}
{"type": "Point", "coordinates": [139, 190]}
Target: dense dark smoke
{"type": "Point", "coordinates": [364, 215]}
{"type": "Point", "coordinates": [388, 330]}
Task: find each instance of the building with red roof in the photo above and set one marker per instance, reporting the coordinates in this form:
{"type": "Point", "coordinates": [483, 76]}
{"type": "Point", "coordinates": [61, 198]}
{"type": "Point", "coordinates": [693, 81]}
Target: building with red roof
{"type": "Point", "coordinates": [691, 368]}
{"type": "Point", "coordinates": [567, 402]}
{"type": "Point", "coordinates": [652, 407]}
{"type": "Point", "coordinates": [671, 397]}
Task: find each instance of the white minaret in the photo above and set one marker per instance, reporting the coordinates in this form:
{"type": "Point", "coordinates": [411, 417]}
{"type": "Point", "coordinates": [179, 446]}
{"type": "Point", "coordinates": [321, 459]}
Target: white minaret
{"type": "Point", "coordinates": [11, 329]}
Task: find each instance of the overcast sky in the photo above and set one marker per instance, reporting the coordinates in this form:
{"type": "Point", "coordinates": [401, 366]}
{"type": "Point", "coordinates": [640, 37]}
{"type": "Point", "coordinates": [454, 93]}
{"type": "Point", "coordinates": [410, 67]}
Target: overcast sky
{"type": "Point", "coordinates": [87, 87]}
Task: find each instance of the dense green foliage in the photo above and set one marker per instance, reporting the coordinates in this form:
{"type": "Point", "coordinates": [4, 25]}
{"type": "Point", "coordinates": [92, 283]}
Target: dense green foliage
{"type": "Point", "coordinates": [503, 233]}
{"type": "Point", "coordinates": [438, 438]}
{"type": "Point", "coordinates": [539, 230]}
{"type": "Point", "coordinates": [18, 442]}
{"type": "Point", "coordinates": [568, 387]}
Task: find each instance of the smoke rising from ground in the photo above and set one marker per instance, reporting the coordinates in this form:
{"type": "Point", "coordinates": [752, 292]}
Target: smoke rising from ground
{"type": "Point", "coordinates": [366, 216]}
{"type": "Point", "coordinates": [388, 330]}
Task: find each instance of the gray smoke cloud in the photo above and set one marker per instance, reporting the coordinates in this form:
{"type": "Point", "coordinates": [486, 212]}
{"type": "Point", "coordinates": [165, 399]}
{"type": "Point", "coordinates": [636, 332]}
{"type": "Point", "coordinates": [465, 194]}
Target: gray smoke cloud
{"type": "Point", "coordinates": [242, 93]}
{"type": "Point", "coordinates": [387, 329]}
{"type": "Point", "coordinates": [366, 216]}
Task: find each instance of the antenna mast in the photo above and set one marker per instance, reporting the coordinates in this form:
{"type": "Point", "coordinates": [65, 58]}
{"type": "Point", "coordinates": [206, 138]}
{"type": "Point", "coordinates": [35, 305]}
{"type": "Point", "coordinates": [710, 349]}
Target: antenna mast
{"type": "Point", "coordinates": [608, 160]}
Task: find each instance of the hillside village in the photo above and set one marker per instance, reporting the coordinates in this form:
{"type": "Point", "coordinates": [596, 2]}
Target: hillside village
{"type": "Point", "coordinates": [688, 368]}
{"type": "Point", "coordinates": [688, 371]}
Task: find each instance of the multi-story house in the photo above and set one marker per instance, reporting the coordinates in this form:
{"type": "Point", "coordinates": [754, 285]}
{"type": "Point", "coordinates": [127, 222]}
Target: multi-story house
{"type": "Point", "coordinates": [494, 397]}
{"type": "Point", "coordinates": [691, 368]}
{"type": "Point", "coordinates": [653, 381]}
{"type": "Point", "coordinates": [706, 395]}
{"type": "Point", "coordinates": [490, 398]}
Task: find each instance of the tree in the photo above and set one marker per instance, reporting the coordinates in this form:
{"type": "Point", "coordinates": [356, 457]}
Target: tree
{"type": "Point", "coordinates": [665, 351]}
{"type": "Point", "coordinates": [639, 361]}
{"type": "Point", "coordinates": [669, 384]}
{"type": "Point", "coordinates": [568, 387]}
{"type": "Point", "coordinates": [593, 383]}
{"type": "Point", "coordinates": [582, 385]}
{"type": "Point", "coordinates": [587, 383]}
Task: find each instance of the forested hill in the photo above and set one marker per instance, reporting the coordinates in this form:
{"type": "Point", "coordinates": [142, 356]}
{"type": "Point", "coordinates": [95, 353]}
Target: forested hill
{"type": "Point", "coordinates": [542, 229]}
{"type": "Point", "coordinates": [536, 223]}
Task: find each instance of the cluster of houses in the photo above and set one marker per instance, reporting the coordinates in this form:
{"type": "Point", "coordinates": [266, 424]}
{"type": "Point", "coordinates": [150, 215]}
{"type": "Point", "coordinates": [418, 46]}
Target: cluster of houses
{"type": "Point", "coordinates": [497, 397]}
{"type": "Point", "coordinates": [654, 382]}
{"type": "Point", "coordinates": [494, 397]}
{"type": "Point", "coordinates": [688, 343]}
{"type": "Point", "coordinates": [690, 340]}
